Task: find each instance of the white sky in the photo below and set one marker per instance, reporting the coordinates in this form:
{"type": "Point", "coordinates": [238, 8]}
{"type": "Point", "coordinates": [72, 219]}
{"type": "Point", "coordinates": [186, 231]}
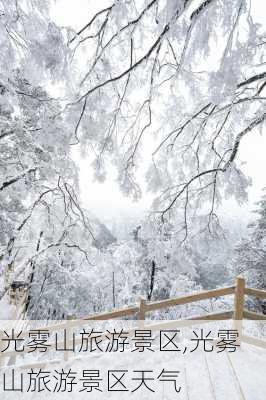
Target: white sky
{"type": "Point", "coordinates": [105, 200]}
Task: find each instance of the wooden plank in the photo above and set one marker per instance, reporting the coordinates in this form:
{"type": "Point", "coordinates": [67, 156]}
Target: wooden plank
{"type": "Point", "coordinates": [190, 299]}
{"type": "Point", "coordinates": [186, 382]}
{"type": "Point", "coordinates": [253, 315]}
{"type": "Point", "coordinates": [254, 341]}
{"type": "Point", "coordinates": [213, 316]}
{"type": "Point", "coordinates": [238, 384]}
{"type": "Point", "coordinates": [168, 324]}
{"type": "Point", "coordinates": [256, 293]}
{"type": "Point", "coordinates": [224, 384]}
{"type": "Point", "coordinates": [212, 390]}
{"type": "Point", "coordinates": [197, 378]}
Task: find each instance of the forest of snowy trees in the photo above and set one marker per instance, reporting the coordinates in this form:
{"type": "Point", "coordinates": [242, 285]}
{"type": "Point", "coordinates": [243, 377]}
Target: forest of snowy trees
{"type": "Point", "coordinates": [162, 92]}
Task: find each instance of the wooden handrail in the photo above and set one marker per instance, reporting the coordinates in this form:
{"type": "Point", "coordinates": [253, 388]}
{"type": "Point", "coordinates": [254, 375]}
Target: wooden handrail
{"type": "Point", "coordinates": [239, 290]}
{"type": "Point", "coordinates": [208, 294]}
{"type": "Point", "coordinates": [253, 315]}
{"type": "Point", "coordinates": [140, 310]}
{"type": "Point", "coordinates": [224, 315]}
{"type": "Point", "coordinates": [146, 307]}
{"type": "Point", "coordinates": [254, 341]}
{"type": "Point", "coordinates": [256, 293]}
{"type": "Point", "coordinates": [238, 313]}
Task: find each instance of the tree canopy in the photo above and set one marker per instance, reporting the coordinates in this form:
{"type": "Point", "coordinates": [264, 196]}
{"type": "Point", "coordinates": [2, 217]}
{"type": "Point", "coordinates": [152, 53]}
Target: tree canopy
{"type": "Point", "coordinates": [162, 91]}
{"type": "Point", "coordinates": [178, 85]}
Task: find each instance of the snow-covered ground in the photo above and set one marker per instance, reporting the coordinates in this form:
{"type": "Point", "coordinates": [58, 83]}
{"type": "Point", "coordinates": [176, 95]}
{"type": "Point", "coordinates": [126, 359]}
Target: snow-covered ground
{"type": "Point", "coordinates": [239, 375]}
{"type": "Point", "coordinates": [7, 311]}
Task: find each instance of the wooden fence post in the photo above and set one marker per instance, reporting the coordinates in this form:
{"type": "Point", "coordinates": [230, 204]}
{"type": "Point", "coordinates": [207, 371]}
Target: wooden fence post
{"type": "Point", "coordinates": [68, 333]}
{"type": "Point", "coordinates": [141, 313]}
{"type": "Point", "coordinates": [239, 298]}
{"type": "Point", "coordinates": [239, 305]}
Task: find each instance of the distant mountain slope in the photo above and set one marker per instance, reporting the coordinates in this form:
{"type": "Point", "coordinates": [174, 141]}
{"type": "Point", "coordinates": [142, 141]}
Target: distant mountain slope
{"type": "Point", "coordinates": [103, 236]}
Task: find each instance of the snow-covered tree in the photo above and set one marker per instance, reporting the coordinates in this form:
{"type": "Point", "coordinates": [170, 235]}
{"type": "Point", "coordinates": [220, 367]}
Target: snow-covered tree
{"type": "Point", "coordinates": [169, 89]}
{"type": "Point", "coordinates": [251, 252]}
{"type": "Point", "coordinates": [39, 204]}
{"type": "Point", "coordinates": [159, 90]}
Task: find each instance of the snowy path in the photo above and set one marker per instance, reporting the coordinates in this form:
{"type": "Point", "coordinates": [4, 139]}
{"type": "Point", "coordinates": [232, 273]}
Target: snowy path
{"type": "Point", "coordinates": [202, 376]}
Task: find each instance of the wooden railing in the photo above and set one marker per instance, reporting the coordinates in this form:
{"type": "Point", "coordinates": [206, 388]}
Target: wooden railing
{"type": "Point", "coordinates": [238, 313]}
{"type": "Point", "coordinates": [239, 290]}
